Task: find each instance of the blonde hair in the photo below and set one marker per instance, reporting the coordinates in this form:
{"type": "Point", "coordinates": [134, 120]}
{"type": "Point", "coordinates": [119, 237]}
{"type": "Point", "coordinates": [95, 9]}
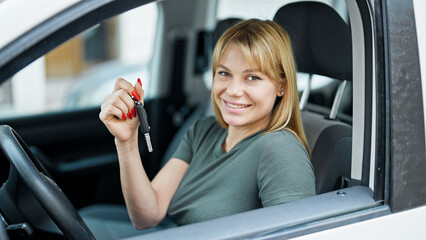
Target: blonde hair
{"type": "Point", "coordinates": [267, 48]}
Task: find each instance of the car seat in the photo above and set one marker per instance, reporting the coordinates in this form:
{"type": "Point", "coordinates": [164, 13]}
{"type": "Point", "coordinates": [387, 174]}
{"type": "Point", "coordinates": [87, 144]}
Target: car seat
{"type": "Point", "coordinates": [322, 45]}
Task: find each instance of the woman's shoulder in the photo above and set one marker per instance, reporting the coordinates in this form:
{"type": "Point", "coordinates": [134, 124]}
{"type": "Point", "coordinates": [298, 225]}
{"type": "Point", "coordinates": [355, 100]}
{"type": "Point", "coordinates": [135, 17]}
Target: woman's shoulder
{"type": "Point", "coordinates": [280, 136]}
{"type": "Point", "coordinates": [282, 141]}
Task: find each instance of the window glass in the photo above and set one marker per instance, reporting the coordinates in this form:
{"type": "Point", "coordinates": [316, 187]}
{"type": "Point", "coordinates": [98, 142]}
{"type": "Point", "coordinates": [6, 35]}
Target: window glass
{"type": "Point", "coordinates": [82, 71]}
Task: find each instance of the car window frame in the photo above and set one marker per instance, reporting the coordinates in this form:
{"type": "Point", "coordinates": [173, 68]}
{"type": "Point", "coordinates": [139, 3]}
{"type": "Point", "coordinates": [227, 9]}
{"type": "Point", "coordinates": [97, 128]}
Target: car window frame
{"type": "Point", "coordinates": [406, 166]}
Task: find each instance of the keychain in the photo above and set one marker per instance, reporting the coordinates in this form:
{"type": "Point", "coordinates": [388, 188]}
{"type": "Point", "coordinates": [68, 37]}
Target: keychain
{"type": "Point", "coordinates": [144, 126]}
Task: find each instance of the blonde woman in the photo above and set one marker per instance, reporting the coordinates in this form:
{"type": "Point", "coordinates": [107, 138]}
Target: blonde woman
{"type": "Point", "coordinates": [253, 154]}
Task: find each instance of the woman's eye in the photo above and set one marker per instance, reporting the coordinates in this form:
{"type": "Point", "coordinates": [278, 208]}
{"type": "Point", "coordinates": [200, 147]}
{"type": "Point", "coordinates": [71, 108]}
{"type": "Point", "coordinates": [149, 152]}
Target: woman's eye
{"type": "Point", "coordinates": [223, 73]}
{"type": "Point", "coordinates": [251, 78]}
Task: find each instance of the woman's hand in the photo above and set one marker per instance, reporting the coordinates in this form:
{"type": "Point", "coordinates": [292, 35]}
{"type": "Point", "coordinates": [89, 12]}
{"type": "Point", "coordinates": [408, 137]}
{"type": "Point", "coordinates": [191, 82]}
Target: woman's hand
{"type": "Point", "coordinates": [118, 111]}
{"type": "Point", "coordinates": [147, 202]}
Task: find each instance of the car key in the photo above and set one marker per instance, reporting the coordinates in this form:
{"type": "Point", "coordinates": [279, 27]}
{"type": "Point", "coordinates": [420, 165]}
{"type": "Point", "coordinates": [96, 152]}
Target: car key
{"type": "Point", "coordinates": [144, 126]}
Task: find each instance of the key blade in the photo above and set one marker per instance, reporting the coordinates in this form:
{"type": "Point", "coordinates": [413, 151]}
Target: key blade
{"type": "Point", "coordinates": [148, 142]}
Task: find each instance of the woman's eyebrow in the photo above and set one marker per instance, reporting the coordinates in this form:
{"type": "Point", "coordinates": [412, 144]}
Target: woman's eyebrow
{"type": "Point", "coordinates": [221, 66]}
{"type": "Point", "coordinates": [249, 71]}
{"type": "Point", "coordinates": [245, 71]}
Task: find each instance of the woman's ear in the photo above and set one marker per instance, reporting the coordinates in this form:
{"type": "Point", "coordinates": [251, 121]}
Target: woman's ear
{"type": "Point", "coordinates": [281, 90]}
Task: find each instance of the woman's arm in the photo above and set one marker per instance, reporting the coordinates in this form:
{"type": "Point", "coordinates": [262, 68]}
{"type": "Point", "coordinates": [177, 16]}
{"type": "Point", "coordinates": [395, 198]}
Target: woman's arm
{"type": "Point", "coordinates": [147, 202]}
{"type": "Point", "coordinates": [285, 172]}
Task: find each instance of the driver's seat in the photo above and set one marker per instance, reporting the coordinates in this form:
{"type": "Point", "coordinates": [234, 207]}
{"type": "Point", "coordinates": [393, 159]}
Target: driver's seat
{"type": "Point", "coordinates": [322, 45]}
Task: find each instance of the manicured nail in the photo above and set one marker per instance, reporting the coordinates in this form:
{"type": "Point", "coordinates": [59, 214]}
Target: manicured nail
{"type": "Point", "coordinates": [123, 117]}
{"type": "Point", "coordinates": [135, 95]}
{"type": "Point", "coordinates": [140, 82]}
{"type": "Point", "coordinates": [129, 115]}
{"type": "Point", "coordinates": [134, 112]}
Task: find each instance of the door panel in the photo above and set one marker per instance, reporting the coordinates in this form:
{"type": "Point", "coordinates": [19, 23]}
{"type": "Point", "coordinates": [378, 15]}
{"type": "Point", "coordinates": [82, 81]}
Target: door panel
{"type": "Point", "coordinates": [77, 150]}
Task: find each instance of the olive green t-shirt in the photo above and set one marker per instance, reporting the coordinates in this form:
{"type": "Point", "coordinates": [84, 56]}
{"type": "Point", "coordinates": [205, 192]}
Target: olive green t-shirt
{"type": "Point", "coordinates": [261, 170]}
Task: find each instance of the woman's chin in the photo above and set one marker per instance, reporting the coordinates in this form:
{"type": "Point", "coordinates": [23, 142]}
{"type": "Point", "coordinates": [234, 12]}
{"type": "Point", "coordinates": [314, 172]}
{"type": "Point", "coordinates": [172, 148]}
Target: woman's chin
{"type": "Point", "coordinates": [233, 122]}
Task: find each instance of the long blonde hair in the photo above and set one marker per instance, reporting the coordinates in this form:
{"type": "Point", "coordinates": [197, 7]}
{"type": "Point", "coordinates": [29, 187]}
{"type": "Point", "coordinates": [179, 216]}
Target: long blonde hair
{"type": "Point", "coordinates": [267, 47]}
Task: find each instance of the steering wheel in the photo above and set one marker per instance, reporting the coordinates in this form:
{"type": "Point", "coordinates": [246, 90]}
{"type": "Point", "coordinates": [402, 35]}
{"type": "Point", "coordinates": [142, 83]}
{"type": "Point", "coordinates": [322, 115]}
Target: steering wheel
{"type": "Point", "coordinates": [26, 176]}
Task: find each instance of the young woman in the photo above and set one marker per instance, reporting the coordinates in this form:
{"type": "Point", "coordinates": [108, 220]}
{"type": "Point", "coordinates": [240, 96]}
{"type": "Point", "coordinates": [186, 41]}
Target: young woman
{"type": "Point", "coordinates": [253, 154]}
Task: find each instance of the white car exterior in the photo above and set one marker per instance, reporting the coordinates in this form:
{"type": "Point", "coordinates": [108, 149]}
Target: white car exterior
{"type": "Point", "coordinates": [388, 147]}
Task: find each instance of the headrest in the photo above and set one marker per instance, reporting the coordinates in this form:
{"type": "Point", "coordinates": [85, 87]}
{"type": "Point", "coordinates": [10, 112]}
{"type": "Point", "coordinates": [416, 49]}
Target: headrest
{"type": "Point", "coordinates": [222, 26]}
{"type": "Point", "coordinates": [320, 37]}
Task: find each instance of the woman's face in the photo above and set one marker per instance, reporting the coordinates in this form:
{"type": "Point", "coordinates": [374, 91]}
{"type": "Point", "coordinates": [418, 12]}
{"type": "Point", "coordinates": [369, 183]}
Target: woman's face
{"type": "Point", "coordinates": [245, 97]}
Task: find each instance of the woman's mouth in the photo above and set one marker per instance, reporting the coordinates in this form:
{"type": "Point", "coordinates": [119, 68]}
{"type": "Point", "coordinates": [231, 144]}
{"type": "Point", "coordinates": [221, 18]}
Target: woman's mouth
{"type": "Point", "coordinates": [235, 106]}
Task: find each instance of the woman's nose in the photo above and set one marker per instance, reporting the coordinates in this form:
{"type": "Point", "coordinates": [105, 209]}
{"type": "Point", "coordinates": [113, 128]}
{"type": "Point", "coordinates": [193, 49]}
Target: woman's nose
{"type": "Point", "coordinates": [235, 88]}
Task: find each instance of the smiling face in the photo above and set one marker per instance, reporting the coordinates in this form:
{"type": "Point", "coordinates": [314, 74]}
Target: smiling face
{"type": "Point", "coordinates": [244, 96]}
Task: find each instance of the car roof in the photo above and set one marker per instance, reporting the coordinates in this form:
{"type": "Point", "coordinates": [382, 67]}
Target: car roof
{"type": "Point", "coordinates": [21, 14]}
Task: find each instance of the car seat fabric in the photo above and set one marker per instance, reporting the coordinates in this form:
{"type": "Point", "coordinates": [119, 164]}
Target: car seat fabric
{"type": "Point", "coordinates": [330, 143]}
{"type": "Point", "coordinates": [321, 39]}
{"type": "Point", "coordinates": [221, 27]}
{"type": "Point", "coordinates": [322, 45]}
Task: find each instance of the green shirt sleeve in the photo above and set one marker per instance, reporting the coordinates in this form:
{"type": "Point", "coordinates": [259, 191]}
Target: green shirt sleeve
{"type": "Point", "coordinates": [184, 149]}
{"type": "Point", "coordinates": [285, 172]}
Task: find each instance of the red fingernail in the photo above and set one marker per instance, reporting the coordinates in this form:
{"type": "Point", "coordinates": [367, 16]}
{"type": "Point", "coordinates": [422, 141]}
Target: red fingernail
{"type": "Point", "coordinates": [123, 117]}
{"type": "Point", "coordinates": [134, 112]}
{"type": "Point", "coordinates": [135, 95]}
{"type": "Point", "coordinates": [139, 81]}
{"type": "Point", "coordinates": [129, 115]}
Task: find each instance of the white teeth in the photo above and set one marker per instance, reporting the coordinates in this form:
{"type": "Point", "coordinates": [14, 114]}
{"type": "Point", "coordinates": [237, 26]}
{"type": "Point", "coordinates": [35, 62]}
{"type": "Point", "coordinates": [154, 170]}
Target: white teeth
{"type": "Point", "coordinates": [236, 106]}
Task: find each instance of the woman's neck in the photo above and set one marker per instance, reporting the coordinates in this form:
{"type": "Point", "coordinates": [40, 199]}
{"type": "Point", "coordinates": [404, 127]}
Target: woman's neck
{"type": "Point", "coordinates": [236, 134]}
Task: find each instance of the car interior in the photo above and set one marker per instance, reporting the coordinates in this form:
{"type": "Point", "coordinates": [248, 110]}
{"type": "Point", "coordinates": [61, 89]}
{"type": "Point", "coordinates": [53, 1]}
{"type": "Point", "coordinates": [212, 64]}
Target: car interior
{"type": "Point", "coordinates": [325, 50]}
{"type": "Point", "coordinates": [73, 149]}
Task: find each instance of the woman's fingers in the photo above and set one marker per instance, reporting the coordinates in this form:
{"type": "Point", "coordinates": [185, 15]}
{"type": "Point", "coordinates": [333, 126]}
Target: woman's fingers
{"type": "Point", "coordinates": [120, 103]}
{"type": "Point", "coordinates": [121, 83]}
{"type": "Point", "coordinates": [125, 90]}
{"type": "Point", "coordinates": [119, 106]}
{"type": "Point", "coordinates": [136, 91]}
{"type": "Point", "coordinates": [109, 111]}
{"type": "Point", "coordinates": [124, 102]}
{"type": "Point", "coordinates": [139, 90]}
